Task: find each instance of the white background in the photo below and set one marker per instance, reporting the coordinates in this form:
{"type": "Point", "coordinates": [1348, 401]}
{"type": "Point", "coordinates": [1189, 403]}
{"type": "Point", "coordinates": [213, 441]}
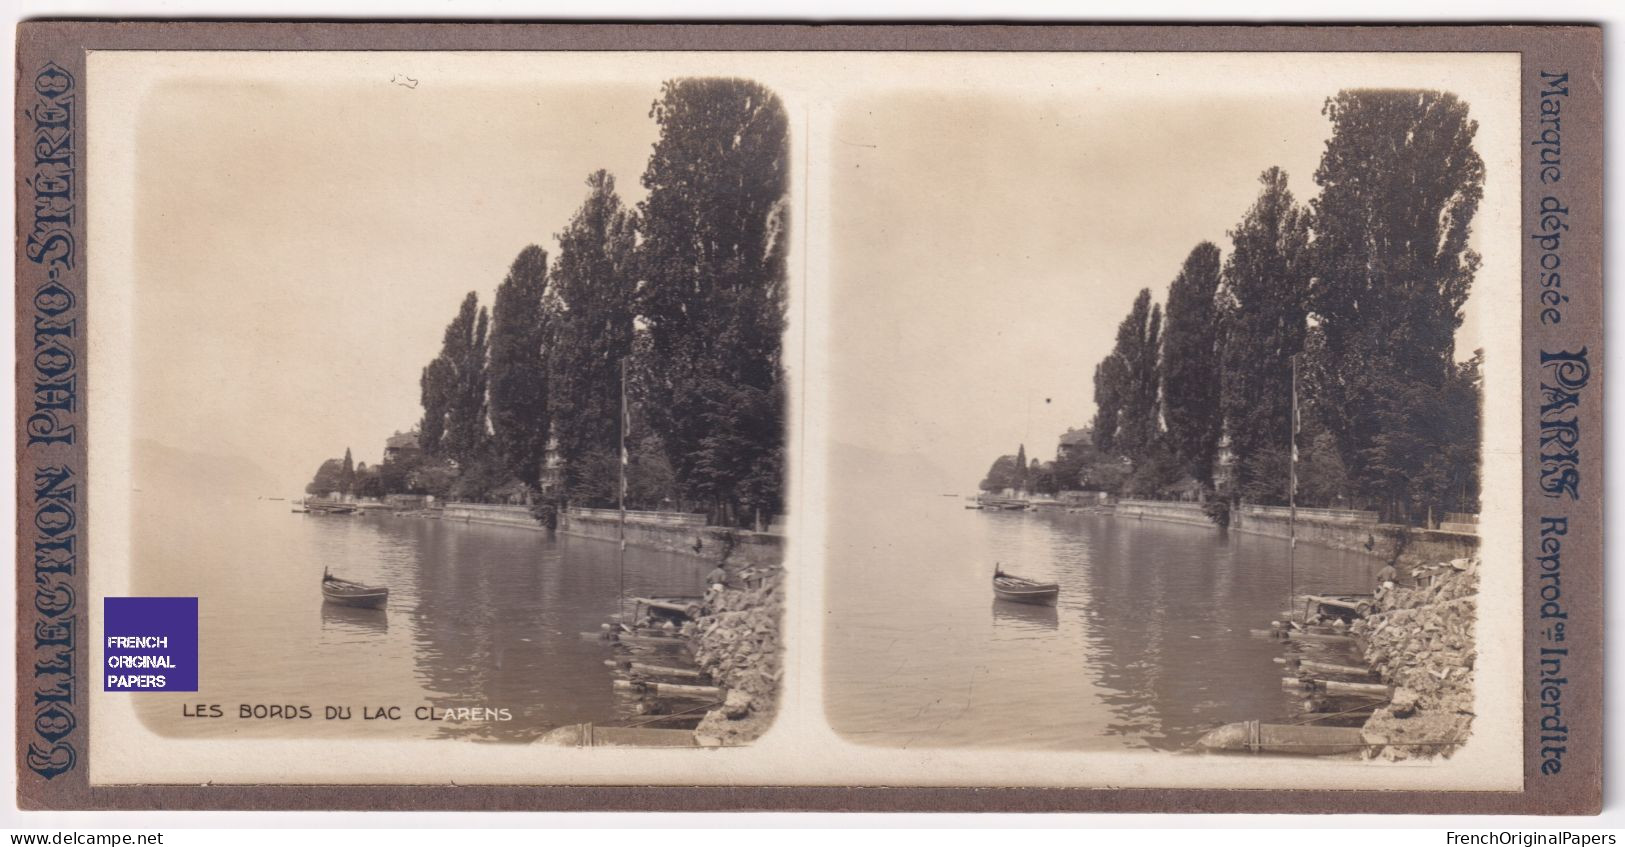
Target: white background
{"type": "Point", "coordinates": [1432, 832]}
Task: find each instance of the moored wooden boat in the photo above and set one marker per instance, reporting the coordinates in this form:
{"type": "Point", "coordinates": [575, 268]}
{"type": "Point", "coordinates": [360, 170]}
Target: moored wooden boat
{"type": "Point", "coordinates": [346, 593]}
{"type": "Point", "coordinates": [1020, 590]}
{"type": "Point", "coordinates": [321, 508]}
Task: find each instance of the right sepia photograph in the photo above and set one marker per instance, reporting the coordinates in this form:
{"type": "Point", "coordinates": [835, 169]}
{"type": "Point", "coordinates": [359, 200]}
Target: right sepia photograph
{"type": "Point", "coordinates": [1158, 410]}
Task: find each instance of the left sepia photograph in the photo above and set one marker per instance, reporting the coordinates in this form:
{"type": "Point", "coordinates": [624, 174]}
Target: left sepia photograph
{"type": "Point", "coordinates": [458, 407]}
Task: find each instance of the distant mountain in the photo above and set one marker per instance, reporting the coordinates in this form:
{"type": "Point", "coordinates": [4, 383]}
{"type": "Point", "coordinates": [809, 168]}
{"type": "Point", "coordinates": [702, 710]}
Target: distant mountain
{"type": "Point", "coordinates": [858, 470]}
{"type": "Point", "coordinates": [163, 469]}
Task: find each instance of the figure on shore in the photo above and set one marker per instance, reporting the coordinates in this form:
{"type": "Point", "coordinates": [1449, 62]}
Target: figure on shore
{"type": "Point", "coordinates": [1386, 579]}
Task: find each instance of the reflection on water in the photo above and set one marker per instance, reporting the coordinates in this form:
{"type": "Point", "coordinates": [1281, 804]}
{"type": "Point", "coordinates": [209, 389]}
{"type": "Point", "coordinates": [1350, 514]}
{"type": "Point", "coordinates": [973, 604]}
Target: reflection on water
{"type": "Point", "coordinates": [479, 617]}
{"type": "Point", "coordinates": [1147, 647]}
{"type": "Point", "coordinates": [1024, 618]}
{"type": "Point", "coordinates": [344, 625]}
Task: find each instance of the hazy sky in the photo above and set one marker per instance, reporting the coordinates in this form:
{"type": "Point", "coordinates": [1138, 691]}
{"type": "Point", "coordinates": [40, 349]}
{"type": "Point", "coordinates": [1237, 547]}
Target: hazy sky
{"type": "Point", "coordinates": [300, 248]}
{"type": "Point", "coordinates": [291, 233]}
{"type": "Point", "coordinates": [988, 247]}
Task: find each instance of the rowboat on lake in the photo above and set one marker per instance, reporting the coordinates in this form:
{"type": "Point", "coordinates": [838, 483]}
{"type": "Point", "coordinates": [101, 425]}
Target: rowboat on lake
{"type": "Point", "coordinates": [1021, 590]}
{"type": "Point", "coordinates": [346, 593]}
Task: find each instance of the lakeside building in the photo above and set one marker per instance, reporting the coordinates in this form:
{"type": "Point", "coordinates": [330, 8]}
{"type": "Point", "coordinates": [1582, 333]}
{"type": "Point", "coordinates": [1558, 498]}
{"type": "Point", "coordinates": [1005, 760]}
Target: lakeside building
{"type": "Point", "coordinates": [401, 445]}
{"type": "Point", "coordinates": [1071, 442]}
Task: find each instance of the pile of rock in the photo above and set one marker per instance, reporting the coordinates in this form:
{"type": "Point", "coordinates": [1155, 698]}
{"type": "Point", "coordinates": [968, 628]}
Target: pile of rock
{"type": "Point", "coordinates": [1420, 639]}
{"type": "Point", "coordinates": [736, 639]}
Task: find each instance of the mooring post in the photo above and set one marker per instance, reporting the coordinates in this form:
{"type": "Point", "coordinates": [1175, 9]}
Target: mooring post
{"type": "Point", "coordinates": [1292, 497]}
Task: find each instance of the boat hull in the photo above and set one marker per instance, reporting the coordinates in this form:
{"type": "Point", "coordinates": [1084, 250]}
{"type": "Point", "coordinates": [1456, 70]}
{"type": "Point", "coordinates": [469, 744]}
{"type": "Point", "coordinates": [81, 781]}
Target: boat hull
{"type": "Point", "coordinates": [1032, 598]}
{"type": "Point", "coordinates": [1016, 590]}
{"type": "Point", "coordinates": [368, 598]}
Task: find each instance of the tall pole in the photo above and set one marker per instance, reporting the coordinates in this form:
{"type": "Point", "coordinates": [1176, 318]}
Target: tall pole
{"type": "Point", "coordinates": [1292, 496]}
{"type": "Point", "coordinates": [621, 492]}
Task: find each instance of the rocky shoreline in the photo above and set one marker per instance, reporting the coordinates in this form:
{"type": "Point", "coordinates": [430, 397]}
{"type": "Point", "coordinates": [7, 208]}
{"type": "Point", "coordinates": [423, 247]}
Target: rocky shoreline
{"type": "Point", "coordinates": [1420, 640]}
{"type": "Point", "coordinates": [737, 641]}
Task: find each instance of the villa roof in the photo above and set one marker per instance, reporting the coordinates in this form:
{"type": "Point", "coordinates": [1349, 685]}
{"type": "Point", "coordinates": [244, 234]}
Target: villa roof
{"type": "Point", "coordinates": [1075, 436]}
{"type": "Point", "coordinates": [402, 441]}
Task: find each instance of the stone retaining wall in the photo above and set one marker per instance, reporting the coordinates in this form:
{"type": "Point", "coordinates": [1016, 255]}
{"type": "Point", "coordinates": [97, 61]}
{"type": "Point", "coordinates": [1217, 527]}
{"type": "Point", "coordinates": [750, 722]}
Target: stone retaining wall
{"type": "Point", "coordinates": [667, 531]}
{"type": "Point", "coordinates": [1339, 530]}
{"type": "Point", "coordinates": [1405, 546]}
{"type": "Point", "coordinates": [737, 547]}
{"type": "Point", "coordinates": [679, 519]}
{"type": "Point", "coordinates": [492, 514]}
{"type": "Point", "coordinates": [1172, 512]}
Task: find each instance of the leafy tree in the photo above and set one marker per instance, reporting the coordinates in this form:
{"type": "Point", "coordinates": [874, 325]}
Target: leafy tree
{"type": "Point", "coordinates": [1322, 478]}
{"type": "Point", "coordinates": [395, 477]}
{"type": "Point", "coordinates": [1449, 478]}
{"type": "Point", "coordinates": [1043, 479]}
{"type": "Point", "coordinates": [1154, 475]}
{"type": "Point", "coordinates": [1128, 383]}
{"type": "Point", "coordinates": [1400, 182]}
{"type": "Point", "coordinates": [436, 476]}
{"type": "Point", "coordinates": [1111, 375]}
{"type": "Point", "coordinates": [478, 478]}
{"type": "Point", "coordinates": [1102, 472]}
{"type": "Point", "coordinates": [518, 370]}
{"type": "Point", "coordinates": [436, 388]}
{"type": "Point", "coordinates": [1001, 475]}
{"type": "Point", "coordinates": [594, 289]}
{"type": "Point", "coordinates": [1086, 467]}
{"type": "Point", "coordinates": [735, 465]}
{"type": "Point", "coordinates": [1067, 471]}
{"type": "Point", "coordinates": [715, 225]}
{"type": "Point", "coordinates": [1021, 468]}
{"type": "Point", "coordinates": [328, 479]}
{"type": "Point", "coordinates": [368, 481]}
{"type": "Point", "coordinates": [1190, 364]}
{"type": "Point", "coordinates": [650, 481]}
{"type": "Point", "coordinates": [1263, 314]}
{"type": "Point", "coordinates": [454, 423]}
{"type": "Point", "coordinates": [347, 473]}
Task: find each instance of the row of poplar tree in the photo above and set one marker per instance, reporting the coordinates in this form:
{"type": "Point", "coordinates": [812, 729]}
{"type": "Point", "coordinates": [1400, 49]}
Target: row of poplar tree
{"type": "Point", "coordinates": [1364, 287]}
{"type": "Point", "coordinates": [687, 289]}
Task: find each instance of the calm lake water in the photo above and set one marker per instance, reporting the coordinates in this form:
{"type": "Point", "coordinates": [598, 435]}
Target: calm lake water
{"type": "Point", "coordinates": [1148, 646]}
{"type": "Point", "coordinates": [479, 617]}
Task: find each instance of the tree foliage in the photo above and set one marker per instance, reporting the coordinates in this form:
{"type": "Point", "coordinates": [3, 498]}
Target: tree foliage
{"type": "Point", "coordinates": [453, 388]}
{"type": "Point", "coordinates": [1086, 467]}
{"type": "Point", "coordinates": [593, 306]}
{"type": "Point", "coordinates": [518, 370]}
{"type": "Point", "coordinates": [1041, 479]}
{"type": "Point", "coordinates": [714, 226]}
{"type": "Point", "coordinates": [347, 473]}
{"type": "Point", "coordinates": [1400, 183]}
{"type": "Point", "coordinates": [328, 479]}
{"type": "Point", "coordinates": [435, 389]}
{"type": "Point", "coordinates": [1190, 364]}
{"type": "Point", "coordinates": [1364, 289]}
{"type": "Point", "coordinates": [688, 291]}
{"type": "Point", "coordinates": [1128, 420]}
{"type": "Point", "coordinates": [1263, 314]}
{"type": "Point", "coordinates": [368, 482]}
{"type": "Point", "coordinates": [1001, 474]}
